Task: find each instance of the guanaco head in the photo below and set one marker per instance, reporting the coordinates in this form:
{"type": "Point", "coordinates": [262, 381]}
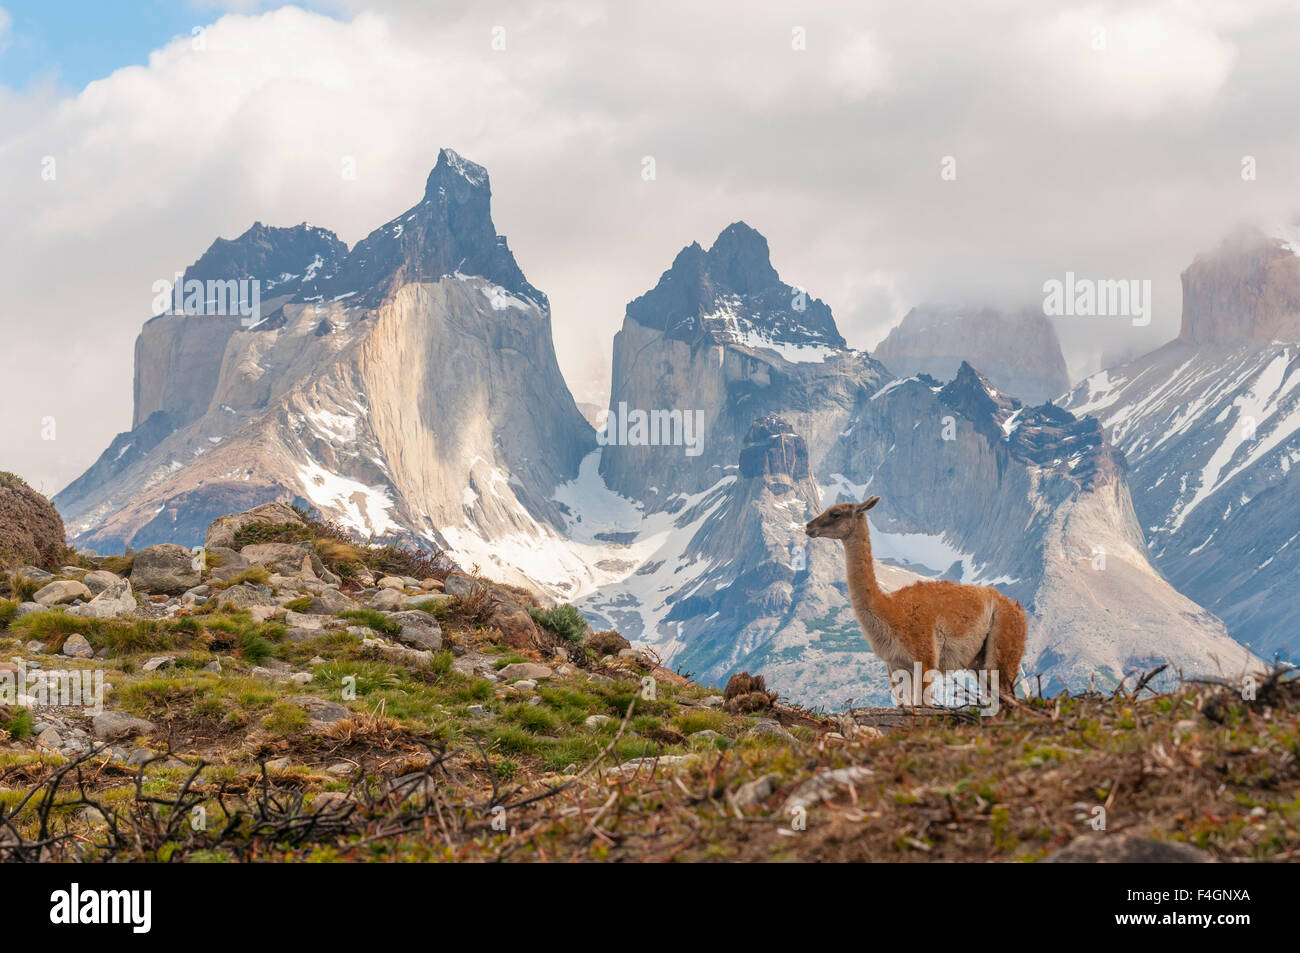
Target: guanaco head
{"type": "Point", "coordinates": [841, 520]}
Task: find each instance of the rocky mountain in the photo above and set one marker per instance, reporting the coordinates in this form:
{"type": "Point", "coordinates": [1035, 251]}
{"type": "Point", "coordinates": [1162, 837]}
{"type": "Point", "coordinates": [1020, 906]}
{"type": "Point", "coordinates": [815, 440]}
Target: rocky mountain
{"type": "Point", "coordinates": [703, 556]}
{"type": "Point", "coordinates": [1018, 352]}
{"type": "Point", "coordinates": [408, 388]}
{"type": "Point", "coordinates": [1210, 425]}
{"type": "Point", "coordinates": [386, 387]}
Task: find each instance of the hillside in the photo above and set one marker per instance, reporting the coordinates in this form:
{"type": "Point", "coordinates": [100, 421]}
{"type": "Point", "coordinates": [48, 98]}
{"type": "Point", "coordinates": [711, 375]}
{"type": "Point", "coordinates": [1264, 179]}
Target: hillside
{"type": "Point", "coordinates": [302, 698]}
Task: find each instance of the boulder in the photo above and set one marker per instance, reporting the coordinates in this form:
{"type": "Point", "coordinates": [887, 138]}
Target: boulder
{"type": "Point", "coordinates": [244, 596]}
{"type": "Point", "coordinates": [99, 580]}
{"type": "Point", "coordinates": [288, 559]}
{"type": "Point", "coordinates": [525, 670]}
{"type": "Point", "coordinates": [31, 530]}
{"type": "Point", "coordinates": [224, 563]}
{"type": "Point", "coordinates": [116, 600]}
{"type": "Point", "coordinates": [34, 573]}
{"type": "Point", "coordinates": [318, 709]}
{"type": "Point", "coordinates": [164, 568]}
{"type": "Point", "coordinates": [1103, 848]}
{"type": "Point", "coordinates": [60, 592]}
{"type": "Point", "coordinates": [461, 585]}
{"type": "Point", "coordinates": [76, 646]}
{"type": "Point", "coordinates": [222, 530]}
{"type": "Point", "coordinates": [388, 600]}
{"type": "Point", "coordinates": [398, 653]}
{"type": "Point", "coordinates": [419, 629]}
{"type": "Point", "coordinates": [331, 601]}
{"type": "Point", "coordinates": [391, 582]}
{"type": "Point", "coordinates": [111, 725]}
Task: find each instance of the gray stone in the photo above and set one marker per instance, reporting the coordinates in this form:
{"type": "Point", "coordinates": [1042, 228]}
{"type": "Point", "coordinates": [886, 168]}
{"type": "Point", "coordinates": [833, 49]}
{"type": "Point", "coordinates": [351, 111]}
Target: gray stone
{"type": "Point", "coordinates": [60, 592]}
{"type": "Point", "coordinates": [1104, 848]}
{"type": "Point", "coordinates": [158, 662]}
{"type": "Point", "coordinates": [388, 600]}
{"type": "Point", "coordinates": [529, 670]}
{"type": "Point", "coordinates": [49, 738]}
{"type": "Point", "coordinates": [165, 568]}
{"type": "Point", "coordinates": [113, 601]}
{"type": "Point", "coordinates": [460, 585]}
{"type": "Point", "coordinates": [27, 608]}
{"type": "Point", "coordinates": [770, 726]}
{"type": "Point", "coordinates": [391, 582]}
{"type": "Point", "coordinates": [595, 721]}
{"type": "Point", "coordinates": [99, 580]}
{"type": "Point", "coordinates": [318, 709]}
{"type": "Point", "coordinates": [756, 791]}
{"type": "Point", "coordinates": [824, 785]}
{"type": "Point", "coordinates": [76, 646]}
{"type": "Point", "coordinates": [222, 530]}
{"type": "Point", "coordinates": [111, 725]}
{"type": "Point", "coordinates": [244, 596]}
{"type": "Point", "coordinates": [419, 629]}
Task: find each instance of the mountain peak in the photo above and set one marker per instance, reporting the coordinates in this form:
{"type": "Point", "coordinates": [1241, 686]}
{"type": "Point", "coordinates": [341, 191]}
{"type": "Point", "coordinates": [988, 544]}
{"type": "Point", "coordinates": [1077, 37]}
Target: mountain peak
{"type": "Point", "coordinates": [454, 170]}
{"type": "Point", "coordinates": [1247, 289]}
{"type": "Point", "coordinates": [740, 260]}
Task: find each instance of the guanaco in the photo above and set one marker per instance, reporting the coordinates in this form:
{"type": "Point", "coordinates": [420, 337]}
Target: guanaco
{"type": "Point", "coordinates": [946, 626]}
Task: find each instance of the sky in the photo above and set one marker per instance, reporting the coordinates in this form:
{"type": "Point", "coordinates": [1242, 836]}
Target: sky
{"type": "Point", "coordinates": [1104, 139]}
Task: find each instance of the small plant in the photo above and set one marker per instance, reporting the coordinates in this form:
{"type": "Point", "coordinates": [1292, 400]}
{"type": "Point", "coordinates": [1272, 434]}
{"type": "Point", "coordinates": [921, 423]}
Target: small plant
{"type": "Point", "coordinates": [372, 619]}
{"type": "Point", "coordinates": [254, 575]}
{"type": "Point", "coordinates": [285, 718]}
{"type": "Point", "coordinates": [18, 723]}
{"type": "Point", "coordinates": [21, 588]}
{"type": "Point", "coordinates": [565, 621]}
{"type": "Point", "coordinates": [301, 604]}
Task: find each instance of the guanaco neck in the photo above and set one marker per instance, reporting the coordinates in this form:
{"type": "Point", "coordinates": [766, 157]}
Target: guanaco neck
{"type": "Point", "coordinates": [860, 570]}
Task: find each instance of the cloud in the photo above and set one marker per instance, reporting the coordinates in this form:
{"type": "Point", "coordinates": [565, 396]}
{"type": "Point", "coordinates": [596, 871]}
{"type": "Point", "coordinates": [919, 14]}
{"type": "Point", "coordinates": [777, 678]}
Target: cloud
{"type": "Point", "coordinates": [1119, 165]}
{"type": "Point", "coordinates": [6, 23]}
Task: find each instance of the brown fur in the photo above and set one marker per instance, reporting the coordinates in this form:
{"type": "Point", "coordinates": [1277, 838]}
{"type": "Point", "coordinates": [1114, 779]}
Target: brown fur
{"type": "Point", "coordinates": [946, 626]}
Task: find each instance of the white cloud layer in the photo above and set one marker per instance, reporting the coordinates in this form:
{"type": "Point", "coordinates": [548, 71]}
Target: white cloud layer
{"type": "Point", "coordinates": [1119, 161]}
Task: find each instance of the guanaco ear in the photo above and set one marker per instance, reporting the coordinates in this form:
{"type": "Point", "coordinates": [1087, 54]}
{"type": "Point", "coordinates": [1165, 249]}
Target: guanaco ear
{"type": "Point", "coordinates": [866, 505]}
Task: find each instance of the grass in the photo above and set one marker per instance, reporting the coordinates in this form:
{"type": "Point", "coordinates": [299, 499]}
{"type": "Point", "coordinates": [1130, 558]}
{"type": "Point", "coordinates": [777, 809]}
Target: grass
{"type": "Point", "coordinates": [254, 575]}
{"type": "Point", "coordinates": [372, 619]}
{"type": "Point", "coordinates": [301, 604]}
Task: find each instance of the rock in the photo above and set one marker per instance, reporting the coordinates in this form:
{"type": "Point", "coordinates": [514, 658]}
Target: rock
{"type": "Point", "coordinates": [224, 563]}
{"type": "Point", "coordinates": [824, 785]}
{"type": "Point", "coordinates": [431, 585]}
{"type": "Point", "coordinates": [419, 629]}
{"type": "Point", "coordinates": [524, 685]}
{"type": "Point", "coordinates": [76, 646]}
{"type": "Point", "coordinates": [301, 678]}
{"type": "Point", "coordinates": [330, 801]}
{"type": "Point", "coordinates": [138, 756]}
{"type": "Point", "coordinates": [513, 621]}
{"type": "Point", "coordinates": [460, 585]}
{"type": "Point", "coordinates": [595, 721]}
{"type": "Point", "coordinates": [166, 568]}
{"type": "Point", "coordinates": [32, 573]}
{"type": "Point", "coordinates": [306, 620]}
{"type": "Point", "coordinates": [712, 701]}
{"type": "Point", "coordinates": [100, 579]}
{"type": "Point", "coordinates": [113, 601]}
{"type": "Point", "coordinates": [528, 670]}
{"type": "Point", "coordinates": [331, 602]}
{"type": "Point", "coordinates": [222, 530]}
{"type": "Point", "coordinates": [390, 582]}
{"type": "Point", "coordinates": [478, 711]}
{"type": "Point", "coordinates": [279, 764]}
{"type": "Point", "coordinates": [387, 600]}
{"type": "Point", "coordinates": [769, 726]}
{"type": "Point", "coordinates": [34, 647]}
{"type": "Point", "coordinates": [398, 653]}
{"type": "Point", "coordinates": [244, 596]}
{"type": "Point", "coordinates": [158, 662]}
{"type": "Point", "coordinates": [755, 792]}
{"type": "Point", "coordinates": [60, 592]}
{"type": "Point", "coordinates": [1102, 848]}
{"type": "Point", "coordinates": [607, 643]}
{"type": "Point", "coordinates": [284, 558]}
{"type": "Point", "coordinates": [213, 666]}
{"type": "Point", "coordinates": [707, 735]}
{"type": "Point", "coordinates": [318, 709]}
{"type": "Point", "coordinates": [27, 608]}
{"type": "Point", "coordinates": [112, 725]}
{"type": "Point", "coordinates": [49, 738]}
{"type": "Point", "coordinates": [341, 768]}
{"type": "Point", "coordinates": [31, 530]}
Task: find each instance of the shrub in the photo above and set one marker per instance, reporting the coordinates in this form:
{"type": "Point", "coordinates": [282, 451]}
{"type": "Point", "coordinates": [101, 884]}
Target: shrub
{"type": "Point", "coordinates": [301, 604]}
{"type": "Point", "coordinates": [285, 718]}
{"type": "Point", "coordinates": [18, 723]}
{"type": "Point", "coordinates": [565, 621]}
